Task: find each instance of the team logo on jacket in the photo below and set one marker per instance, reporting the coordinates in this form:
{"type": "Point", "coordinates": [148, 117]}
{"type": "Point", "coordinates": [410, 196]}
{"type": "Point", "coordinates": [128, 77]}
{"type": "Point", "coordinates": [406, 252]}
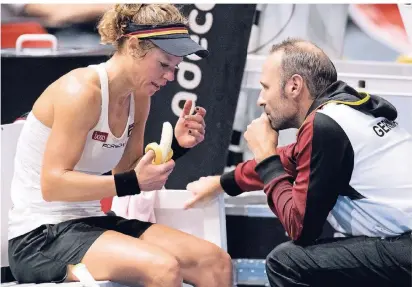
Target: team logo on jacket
{"type": "Point", "coordinates": [100, 136]}
{"type": "Point", "coordinates": [129, 130]}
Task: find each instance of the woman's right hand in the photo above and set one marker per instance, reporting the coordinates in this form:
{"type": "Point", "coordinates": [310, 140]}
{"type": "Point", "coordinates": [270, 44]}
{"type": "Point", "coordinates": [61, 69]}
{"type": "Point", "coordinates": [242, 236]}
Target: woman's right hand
{"type": "Point", "coordinates": [151, 176]}
{"type": "Point", "coordinates": [204, 190]}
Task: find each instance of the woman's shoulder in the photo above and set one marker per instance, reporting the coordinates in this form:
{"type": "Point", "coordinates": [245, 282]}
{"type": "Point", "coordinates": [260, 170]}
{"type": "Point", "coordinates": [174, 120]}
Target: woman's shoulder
{"type": "Point", "coordinates": [83, 81]}
{"type": "Point", "coordinates": [81, 84]}
{"type": "Point", "coordinates": [76, 92]}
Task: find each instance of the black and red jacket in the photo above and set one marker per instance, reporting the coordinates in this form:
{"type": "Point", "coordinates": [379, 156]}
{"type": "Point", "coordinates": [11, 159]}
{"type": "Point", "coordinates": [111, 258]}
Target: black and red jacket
{"type": "Point", "coordinates": [320, 172]}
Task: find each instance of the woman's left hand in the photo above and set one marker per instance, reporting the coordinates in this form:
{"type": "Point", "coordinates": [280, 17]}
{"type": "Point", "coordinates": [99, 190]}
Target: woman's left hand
{"type": "Point", "coordinates": [190, 129]}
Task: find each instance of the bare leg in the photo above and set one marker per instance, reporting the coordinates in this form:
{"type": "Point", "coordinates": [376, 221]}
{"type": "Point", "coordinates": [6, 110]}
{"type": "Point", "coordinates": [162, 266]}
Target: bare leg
{"type": "Point", "coordinates": [130, 261]}
{"type": "Point", "coordinates": [202, 263]}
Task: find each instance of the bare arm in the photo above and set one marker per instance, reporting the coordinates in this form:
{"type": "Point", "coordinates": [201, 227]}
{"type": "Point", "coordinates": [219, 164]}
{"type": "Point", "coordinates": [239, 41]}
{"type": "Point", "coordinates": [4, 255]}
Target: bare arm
{"type": "Point", "coordinates": [134, 148]}
{"type": "Point", "coordinates": [59, 14]}
{"type": "Point", "coordinates": [76, 111]}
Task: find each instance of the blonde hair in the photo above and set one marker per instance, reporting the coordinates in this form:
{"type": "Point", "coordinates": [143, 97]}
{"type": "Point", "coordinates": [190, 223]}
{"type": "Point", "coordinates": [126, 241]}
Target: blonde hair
{"type": "Point", "coordinates": [113, 23]}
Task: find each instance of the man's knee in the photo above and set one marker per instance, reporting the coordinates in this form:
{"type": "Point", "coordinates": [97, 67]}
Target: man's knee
{"type": "Point", "coordinates": [281, 254]}
{"type": "Point", "coordinates": [282, 264]}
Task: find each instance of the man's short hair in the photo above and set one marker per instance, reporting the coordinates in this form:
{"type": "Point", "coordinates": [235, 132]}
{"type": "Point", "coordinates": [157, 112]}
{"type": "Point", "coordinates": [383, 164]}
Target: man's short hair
{"type": "Point", "coordinates": [307, 60]}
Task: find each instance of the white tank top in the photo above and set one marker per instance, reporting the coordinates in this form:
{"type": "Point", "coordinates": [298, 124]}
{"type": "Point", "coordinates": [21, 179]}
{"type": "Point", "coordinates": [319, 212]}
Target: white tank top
{"type": "Point", "coordinates": [101, 154]}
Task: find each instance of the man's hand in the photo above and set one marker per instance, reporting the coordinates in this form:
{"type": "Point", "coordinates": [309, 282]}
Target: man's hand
{"type": "Point", "coordinates": [204, 190]}
{"type": "Point", "coordinates": [261, 139]}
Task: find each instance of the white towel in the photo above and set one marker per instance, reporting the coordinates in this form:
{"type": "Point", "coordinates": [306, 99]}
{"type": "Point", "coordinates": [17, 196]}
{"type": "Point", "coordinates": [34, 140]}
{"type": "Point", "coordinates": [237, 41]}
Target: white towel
{"type": "Point", "coordinates": [140, 206]}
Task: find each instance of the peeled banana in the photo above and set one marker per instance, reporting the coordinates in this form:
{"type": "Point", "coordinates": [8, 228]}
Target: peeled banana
{"type": "Point", "coordinates": [163, 151]}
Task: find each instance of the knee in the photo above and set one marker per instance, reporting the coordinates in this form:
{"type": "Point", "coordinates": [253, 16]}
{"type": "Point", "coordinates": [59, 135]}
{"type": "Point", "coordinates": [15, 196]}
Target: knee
{"type": "Point", "coordinates": [224, 261]}
{"type": "Point", "coordinates": [165, 272]}
{"type": "Point", "coordinates": [216, 259]}
{"type": "Point", "coordinates": [281, 257]}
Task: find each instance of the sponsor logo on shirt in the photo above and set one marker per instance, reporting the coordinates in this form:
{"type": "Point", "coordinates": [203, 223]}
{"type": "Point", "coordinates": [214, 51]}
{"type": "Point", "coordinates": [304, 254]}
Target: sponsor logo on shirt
{"type": "Point", "coordinates": [114, 145]}
{"type": "Point", "coordinates": [129, 130]}
{"type": "Point", "coordinates": [100, 136]}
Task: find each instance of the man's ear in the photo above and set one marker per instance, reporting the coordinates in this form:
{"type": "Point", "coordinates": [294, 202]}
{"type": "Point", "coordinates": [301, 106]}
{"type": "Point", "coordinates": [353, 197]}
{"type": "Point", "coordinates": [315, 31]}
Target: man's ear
{"type": "Point", "coordinates": [295, 85]}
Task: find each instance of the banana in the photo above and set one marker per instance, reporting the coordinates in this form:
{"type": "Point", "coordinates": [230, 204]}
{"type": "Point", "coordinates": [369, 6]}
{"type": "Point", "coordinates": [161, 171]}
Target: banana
{"type": "Point", "coordinates": [163, 151]}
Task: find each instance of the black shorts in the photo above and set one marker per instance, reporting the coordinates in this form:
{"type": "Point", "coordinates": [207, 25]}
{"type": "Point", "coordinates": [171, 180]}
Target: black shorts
{"type": "Point", "coordinates": [42, 255]}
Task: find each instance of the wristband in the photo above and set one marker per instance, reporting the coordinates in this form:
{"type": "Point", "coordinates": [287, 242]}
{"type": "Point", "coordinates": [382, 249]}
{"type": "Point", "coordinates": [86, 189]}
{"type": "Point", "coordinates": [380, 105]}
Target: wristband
{"type": "Point", "coordinates": [126, 183]}
{"type": "Point", "coordinates": [178, 151]}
